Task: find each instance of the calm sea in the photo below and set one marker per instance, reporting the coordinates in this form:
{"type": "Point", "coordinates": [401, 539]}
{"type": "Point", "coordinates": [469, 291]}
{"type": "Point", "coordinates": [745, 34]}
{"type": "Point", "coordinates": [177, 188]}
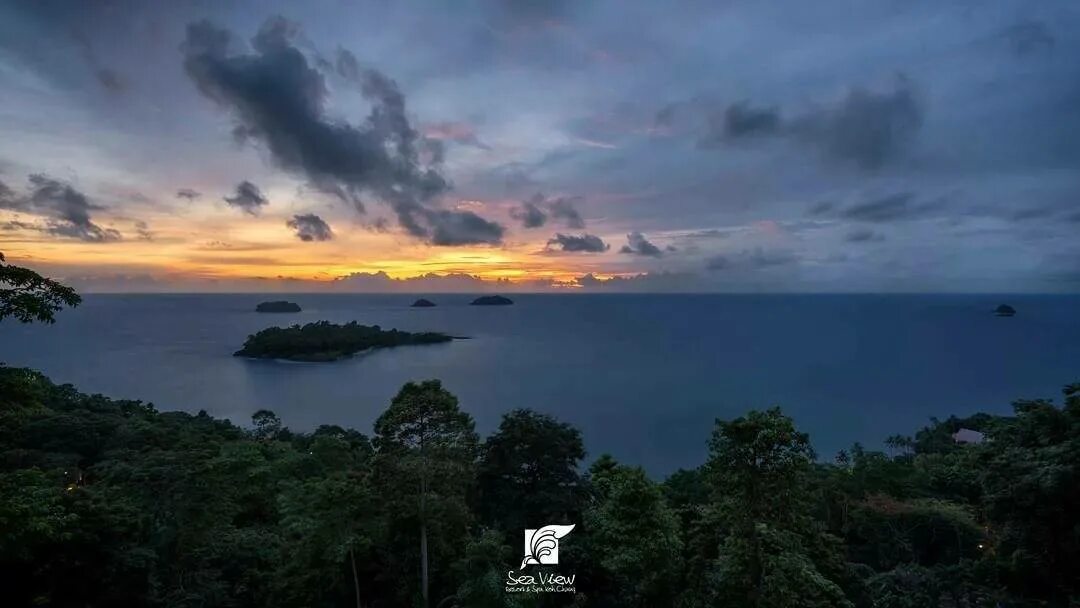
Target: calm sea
{"type": "Point", "coordinates": [643, 376]}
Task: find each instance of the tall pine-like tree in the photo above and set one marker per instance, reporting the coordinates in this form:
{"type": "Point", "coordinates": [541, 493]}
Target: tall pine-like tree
{"type": "Point", "coordinates": [424, 464]}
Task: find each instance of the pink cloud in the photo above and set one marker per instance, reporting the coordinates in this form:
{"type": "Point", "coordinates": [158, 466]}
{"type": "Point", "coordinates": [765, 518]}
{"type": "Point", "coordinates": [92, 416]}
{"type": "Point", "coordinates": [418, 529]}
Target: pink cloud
{"type": "Point", "coordinates": [458, 132]}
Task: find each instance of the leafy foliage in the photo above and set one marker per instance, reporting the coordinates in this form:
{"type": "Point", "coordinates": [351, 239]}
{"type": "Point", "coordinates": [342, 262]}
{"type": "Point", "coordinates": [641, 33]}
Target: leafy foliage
{"type": "Point", "coordinates": [28, 296]}
{"type": "Point", "coordinates": [426, 452]}
{"type": "Point", "coordinates": [775, 553]}
{"type": "Point", "coordinates": [633, 536]}
{"type": "Point", "coordinates": [528, 473]}
{"type": "Point", "coordinates": [108, 502]}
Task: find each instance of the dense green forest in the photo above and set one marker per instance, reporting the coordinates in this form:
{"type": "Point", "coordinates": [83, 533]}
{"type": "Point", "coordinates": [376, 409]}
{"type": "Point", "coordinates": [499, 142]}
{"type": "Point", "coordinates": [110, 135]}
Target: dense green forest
{"type": "Point", "coordinates": [111, 503]}
{"type": "Point", "coordinates": [325, 341]}
{"type": "Point", "coordinates": [106, 502]}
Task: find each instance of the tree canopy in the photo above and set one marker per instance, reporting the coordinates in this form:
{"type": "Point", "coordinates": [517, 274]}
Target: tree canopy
{"type": "Point", "coordinates": [28, 297]}
{"type": "Point", "coordinates": [107, 502]}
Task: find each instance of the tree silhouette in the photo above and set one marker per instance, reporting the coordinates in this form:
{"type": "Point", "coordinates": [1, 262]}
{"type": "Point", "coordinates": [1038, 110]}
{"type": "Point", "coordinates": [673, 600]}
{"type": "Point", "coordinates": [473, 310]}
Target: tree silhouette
{"type": "Point", "coordinates": [29, 297]}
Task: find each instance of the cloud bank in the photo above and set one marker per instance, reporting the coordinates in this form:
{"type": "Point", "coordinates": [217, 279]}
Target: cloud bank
{"type": "Point", "coordinates": [67, 210]}
{"type": "Point", "coordinates": [310, 227]}
{"type": "Point", "coordinates": [278, 98]}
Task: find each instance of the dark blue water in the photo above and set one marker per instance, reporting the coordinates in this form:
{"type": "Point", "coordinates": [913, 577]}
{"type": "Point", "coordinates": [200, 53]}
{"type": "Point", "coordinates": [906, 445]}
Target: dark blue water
{"type": "Point", "coordinates": [643, 376]}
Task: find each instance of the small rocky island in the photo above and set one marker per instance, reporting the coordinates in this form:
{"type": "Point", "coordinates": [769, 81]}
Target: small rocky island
{"type": "Point", "coordinates": [492, 301]}
{"type": "Point", "coordinates": [278, 306]}
{"type": "Point", "coordinates": [325, 341]}
{"type": "Point", "coordinates": [423, 303]}
{"type": "Point", "coordinates": [1004, 311]}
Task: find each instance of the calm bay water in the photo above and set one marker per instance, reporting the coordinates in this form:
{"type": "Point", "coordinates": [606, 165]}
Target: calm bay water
{"type": "Point", "coordinates": [643, 376]}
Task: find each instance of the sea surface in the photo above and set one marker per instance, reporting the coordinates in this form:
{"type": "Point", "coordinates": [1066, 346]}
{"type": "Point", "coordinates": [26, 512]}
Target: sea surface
{"type": "Point", "coordinates": [643, 376]}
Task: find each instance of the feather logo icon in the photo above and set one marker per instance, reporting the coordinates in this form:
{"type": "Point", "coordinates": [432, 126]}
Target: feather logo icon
{"type": "Point", "coordinates": [542, 545]}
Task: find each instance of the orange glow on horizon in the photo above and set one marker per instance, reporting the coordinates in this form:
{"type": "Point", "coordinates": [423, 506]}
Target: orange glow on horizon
{"type": "Point", "coordinates": [220, 246]}
{"type": "Point", "coordinates": [171, 259]}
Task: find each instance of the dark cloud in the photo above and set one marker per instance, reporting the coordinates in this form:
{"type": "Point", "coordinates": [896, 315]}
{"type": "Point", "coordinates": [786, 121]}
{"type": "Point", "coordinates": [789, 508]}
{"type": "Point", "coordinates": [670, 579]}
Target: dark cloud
{"type": "Point", "coordinates": [248, 198]}
{"type": "Point", "coordinates": [585, 243]}
{"type": "Point", "coordinates": [17, 226]}
{"type": "Point", "coordinates": [347, 65]}
{"type": "Point", "coordinates": [529, 213]}
{"type": "Point", "coordinates": [67, 210]}
{"type": "Point", "coordinates": [92, 233]}
{"type": "Point", "coordinates": [1032, 213]}
{"type": "Point", "coordinates": [142, 229]}
{"type": "Point", "coordinates": [276, 33]}
{"type": "Point", "coordinates": [310, 227]}
{"type": "Point", "coordinates": [763, 258]}
{"type": "Point", "coordinates": [895, 207]}
{"type": "Point", "coordinates": [900, 206]}
{"type": "Point", "coordinates": [278, 99]}
{"type": "Point", "coordinates": [886, 209]}
{"type": "Point", "coordinates": [868, 128]}
{"type": "Point", "coordinates": [188, 193]}
{"type": "Point", "coordinates": [740, 120]}
{"type": "Point", "coordinates": [462, 228]}
{"type": "Point", "coordinates": [110, 80]}
{"type": "Point", "coordinates": [7, 195]}
{"type": "Point", "coordinates": [536, 211]}
{"type": "Point", "coordinates": [345, 194]}
{"type": "Point", "coordinates": [751, 259]}
{"type": "Point", "coordinates": [863, 235]}
{"type": "Point", "coordinates": [563, 209]}
{"type": "Point", "coordinates": [637, 244]}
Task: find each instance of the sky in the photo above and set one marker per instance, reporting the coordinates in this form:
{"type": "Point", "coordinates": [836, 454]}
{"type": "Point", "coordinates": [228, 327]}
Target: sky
{"type": "Point", "coordinates": [551, 145]}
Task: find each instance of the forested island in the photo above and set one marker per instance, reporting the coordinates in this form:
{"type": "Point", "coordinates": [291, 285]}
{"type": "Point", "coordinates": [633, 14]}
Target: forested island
{"type": "Point", "coordinates": [325, 341]}
{"type": "Point", "coordinates": [108, 502]}
{"type": "Point", "coordinates": [277, 306]}
{"type": "Point", "coordinates": [492, 301]}
{"type": "Point", "coordinates": [423, 303]}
